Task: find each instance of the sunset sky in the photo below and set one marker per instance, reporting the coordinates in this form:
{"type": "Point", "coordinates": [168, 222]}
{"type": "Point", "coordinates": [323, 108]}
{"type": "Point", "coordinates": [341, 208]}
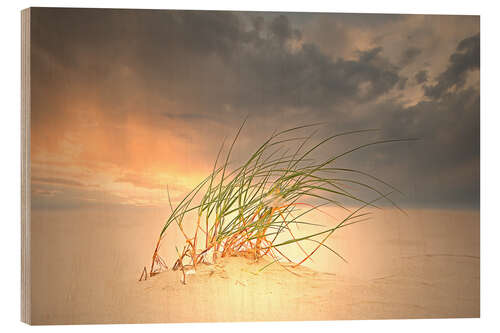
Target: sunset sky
{"type": "Point", "coordinates": [125, 102]}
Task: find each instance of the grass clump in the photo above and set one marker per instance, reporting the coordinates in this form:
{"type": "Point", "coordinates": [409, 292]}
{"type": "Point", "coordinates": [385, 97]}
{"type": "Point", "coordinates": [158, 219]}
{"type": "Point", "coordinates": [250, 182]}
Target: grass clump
{"type": "Point", "coordinates": [242, 210]}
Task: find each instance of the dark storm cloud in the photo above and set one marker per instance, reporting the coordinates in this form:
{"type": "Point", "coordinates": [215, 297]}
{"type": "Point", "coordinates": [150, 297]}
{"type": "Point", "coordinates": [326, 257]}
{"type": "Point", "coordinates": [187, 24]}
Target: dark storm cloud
{"type": "Point", "coordinates": [409, 56]}
{"type": "Point", "coordinates": [273, 75]}
{"type": "Point", "coordinates": [421, 76]}
{"type": "Point", "coordinates": [366, 20]}
{"type": "Point", "coordinates": [282, 30]}
{"type": "Point", "coordinates": [465, 59]}
{"type": "Point", "coordinates": [402, 83]}
{"type": "Point", "coordinates": [220, 66]}
{"type": "Point", "coordinates": [445, 159]}
{"type": "Point", "coordinates": [211, 56]}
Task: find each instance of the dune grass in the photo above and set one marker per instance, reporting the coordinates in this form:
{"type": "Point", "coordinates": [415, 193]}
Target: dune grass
{"type": "Point", "coordinates": [242, 210]}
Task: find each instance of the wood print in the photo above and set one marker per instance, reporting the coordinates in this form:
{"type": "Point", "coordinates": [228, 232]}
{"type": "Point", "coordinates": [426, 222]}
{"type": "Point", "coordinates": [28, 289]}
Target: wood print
{"type": "Point", "coordinates": [206, 166]}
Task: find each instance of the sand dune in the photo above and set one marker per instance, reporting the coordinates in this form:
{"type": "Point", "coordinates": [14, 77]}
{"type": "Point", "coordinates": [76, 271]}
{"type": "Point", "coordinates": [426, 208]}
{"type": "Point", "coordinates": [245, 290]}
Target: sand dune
{"type": "Point", "coordinates": [424, 265]}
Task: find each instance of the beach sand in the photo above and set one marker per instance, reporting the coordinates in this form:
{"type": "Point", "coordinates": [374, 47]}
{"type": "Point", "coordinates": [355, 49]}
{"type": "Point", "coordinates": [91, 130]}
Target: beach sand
{"type": "Point", "coordinates": [86, 266]}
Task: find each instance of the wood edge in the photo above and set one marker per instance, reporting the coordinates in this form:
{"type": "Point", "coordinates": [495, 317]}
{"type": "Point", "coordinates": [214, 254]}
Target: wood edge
{"type": "Point", "coordinates": [25, 166]}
